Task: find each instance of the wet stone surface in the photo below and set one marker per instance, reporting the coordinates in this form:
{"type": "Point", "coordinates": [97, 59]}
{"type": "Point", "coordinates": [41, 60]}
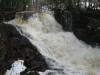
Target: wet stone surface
{"type": "Point", "coordinates": [14, 46]}
{"type": "Point", "coordinates": [87, 28]}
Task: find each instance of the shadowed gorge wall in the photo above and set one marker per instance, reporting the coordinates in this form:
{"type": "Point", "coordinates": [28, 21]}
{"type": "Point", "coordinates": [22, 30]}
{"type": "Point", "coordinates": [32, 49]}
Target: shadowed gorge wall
{"type": "Point", "coordinates": [13, 46]}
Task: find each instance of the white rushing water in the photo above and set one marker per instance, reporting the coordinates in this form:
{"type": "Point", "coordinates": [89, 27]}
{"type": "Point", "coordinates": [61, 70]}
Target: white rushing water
{"type": "Point", "coordinates": [17, 68]}
{"type": "Point", "coordinates": [64, 53]}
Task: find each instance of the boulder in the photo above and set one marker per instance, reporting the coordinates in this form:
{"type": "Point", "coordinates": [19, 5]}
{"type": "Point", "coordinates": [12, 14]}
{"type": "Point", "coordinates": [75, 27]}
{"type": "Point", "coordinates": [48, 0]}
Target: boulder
{"type": "Point", "coordinates": [86, 28]}
{"type": "Point", "coordinates": [64, 17]}
{"type": "Point", "coordinates": [14, 46]}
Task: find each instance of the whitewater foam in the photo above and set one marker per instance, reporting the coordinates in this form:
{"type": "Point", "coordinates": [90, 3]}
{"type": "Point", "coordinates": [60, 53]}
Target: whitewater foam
{"type": "Point", "coordinates": [17, 68]}
{"type": "Point", "coordinates": [64, 53]}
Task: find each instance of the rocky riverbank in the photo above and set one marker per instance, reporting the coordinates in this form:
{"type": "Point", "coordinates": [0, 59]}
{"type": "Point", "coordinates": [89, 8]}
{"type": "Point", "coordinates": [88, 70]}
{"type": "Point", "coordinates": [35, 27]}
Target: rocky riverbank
{"type": "Point", "coordinates": [14, 46]}
{"type": "Point", "coordinates": [86, 27]}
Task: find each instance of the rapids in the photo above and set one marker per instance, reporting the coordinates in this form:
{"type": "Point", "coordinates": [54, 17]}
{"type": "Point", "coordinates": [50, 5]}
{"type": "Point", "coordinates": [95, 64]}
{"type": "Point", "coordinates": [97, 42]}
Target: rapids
{"type": "Point", "coordinates": [63, 52]}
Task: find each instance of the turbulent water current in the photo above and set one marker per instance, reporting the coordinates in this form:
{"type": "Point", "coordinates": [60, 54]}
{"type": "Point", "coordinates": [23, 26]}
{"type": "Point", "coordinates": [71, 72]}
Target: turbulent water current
{"type": "Point", "coordinates": [63, 52]}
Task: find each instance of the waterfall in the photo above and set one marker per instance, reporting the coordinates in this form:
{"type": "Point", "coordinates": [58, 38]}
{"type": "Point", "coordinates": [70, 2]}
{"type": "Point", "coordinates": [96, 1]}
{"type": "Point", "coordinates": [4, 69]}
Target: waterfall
{"type": "Point", "coordinates": [63, 52]}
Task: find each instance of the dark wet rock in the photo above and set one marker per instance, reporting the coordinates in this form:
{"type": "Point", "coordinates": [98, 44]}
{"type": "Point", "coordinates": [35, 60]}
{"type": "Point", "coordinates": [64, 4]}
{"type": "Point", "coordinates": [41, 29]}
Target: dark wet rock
{"type": "Point", "coordinates": [30, 73]}
{"type": "Point", "coordinates": [6, 15]}
{"type": "Point", "coordinates": [14, 46]}
{"type": "Point", "coordinates": [64, 18]}
{"type": "Point", "coordinates": [86, 27]}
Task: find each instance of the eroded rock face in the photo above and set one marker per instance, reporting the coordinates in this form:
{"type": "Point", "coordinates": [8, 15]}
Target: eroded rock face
{"type": "Point", "coordinates": [85, 25]}
{"type": "Point", "coordinates": [87, 28]}
{"type": "Point", "coordinates": [14, 46]}
{"type": "Point", "coordinates": [64, 17]}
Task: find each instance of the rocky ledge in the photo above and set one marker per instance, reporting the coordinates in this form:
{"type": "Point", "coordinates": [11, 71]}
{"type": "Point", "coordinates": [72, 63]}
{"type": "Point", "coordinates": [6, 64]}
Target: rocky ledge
{"type": "Point", "coordinates": [87, 28]}
{"type": "Point", "coordinates": [14, 46]}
